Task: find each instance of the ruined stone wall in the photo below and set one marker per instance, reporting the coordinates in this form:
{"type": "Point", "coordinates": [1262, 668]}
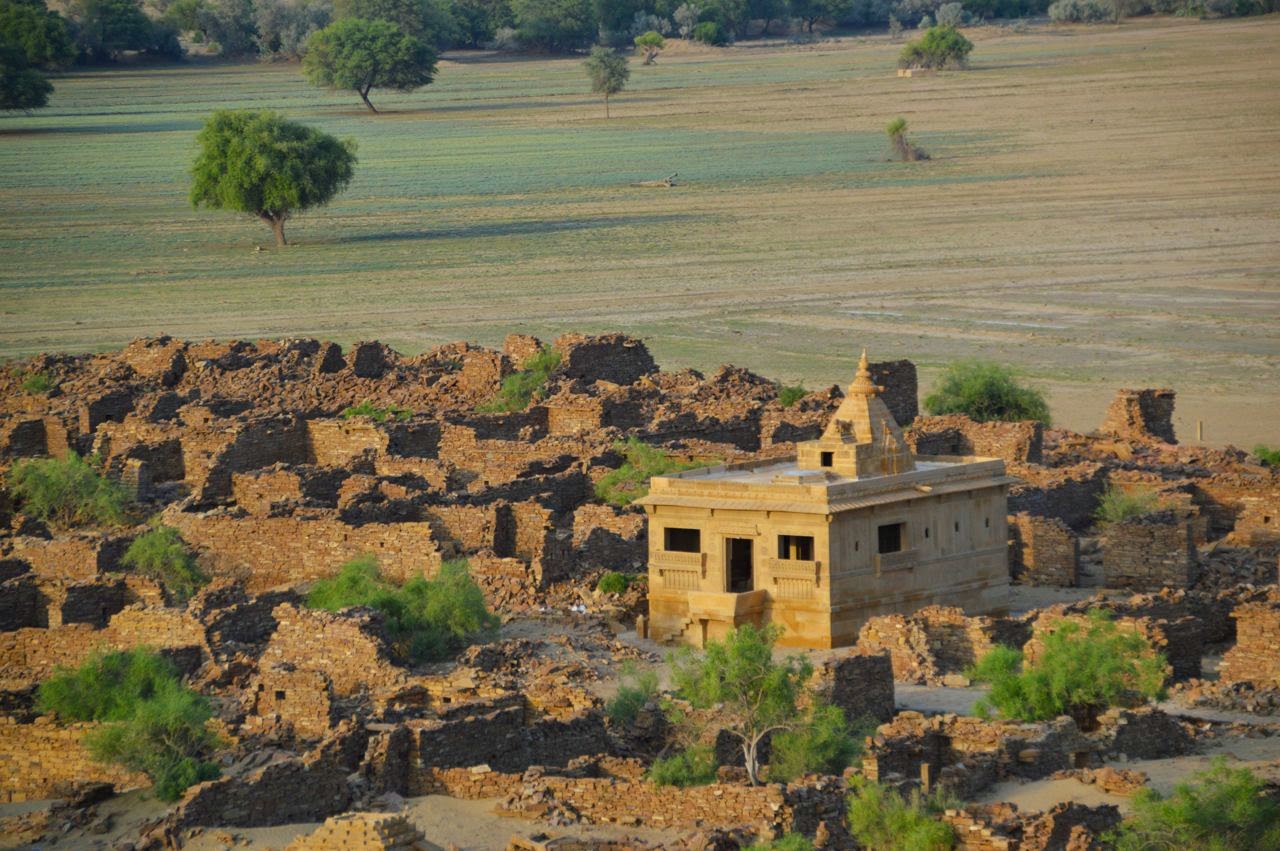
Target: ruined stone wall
{"type": "Point", "coordinates": [1150, 552]}
{"type": "Point", "coordinates": [86, 601]}
{"type": "Point", "coordinates": [1141, 415]}
{"type": "Point", "coordinates": [616, 358]}
{"type": "Point", "coordinates": [158, 444]}
{"type": "Point", "coordinates": [1043, 551]}
{"type": "Point", "coordinates": [349, 647]}
{"type": "Point", "coordinates": [211, 455]}
{"type": "Point", "coordinates": [22, 436]}
{"type": "Point", "coordinates": [78, 556]}
{"type": "Point", "coordinates": [43, 759]}
{"type": "Point", "coordinates": [901, 391]}
{"type": "Point", "coordinates": [1224, 497]}
{"type": "Point", "coordinates": [1181, 640]}
{"type": "Point", "coordinates": [936, 642]}
{"type": "Point", "coordinates": [956, 434]}
{"type": "Point", "coordinates": [609, 537]}
{"type": "Point", "coordinates": [1258, 521]}
{"type": "Point", "coordinates": [1256, 654]}
{"type": "Point", "coordinates": [474, 527]}
{"type": "Point", "coordinates": [297, 699]}
{"type": "Point", "coordinates": [1069, 494]}
{"type": "Point", "coordinates": [268, 552]}
{"type": "Point", "coordinates": [21, 604]}
{"type": "Point", "coordinates": [860, 684]}
{"type": "Point", "coordinates": [504, 741]}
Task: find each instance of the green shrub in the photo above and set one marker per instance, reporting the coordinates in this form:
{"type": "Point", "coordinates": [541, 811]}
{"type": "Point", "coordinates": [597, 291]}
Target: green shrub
{"type": "Point", "coordinates": [1084, 669]}
{"type": "Point", "coordinates": [521, 388]}
{"type": "Point", "coordinates": [1078, 12]}
{"type": "Point", "coordinates": [162, 555]}
{"type": "Point", "coordinates": [986, 392]}
{"type": "Point", "coordinates": [824, 744]}
{"type": "Point", "coordinates": [709, 32]}
{"type": "Point", "coordinates": [695, 766]}
{"type": "Point", "coordinates": [939, 47]}
{"type": "Point", "coordinates": [1116, 505]}
{"type": "Point", "coordinates": [631, 481]}
{"type": "Point", "coordinates": [613, 582]}
{"type": "Point", "coordinates": [426, 619]}
{"type": "Point", "coordinates": [67, 492]}
{"type": "Point", "coordinates": [1221, 809]}
{"type": "Point", "coordinates": [790, 842]}
{"type": "Point", "coordinates": [882, 820]}
{"type": "Point", "coordinates": [788, 396]}
{"type": "Point", "coordinates": [38, 383]}
{"type": "Point", "coordinates": [152, 722]}
{"type": "Point", "coordinates": [636, 688]}
{"type": "Point", "coordinates": [381, 415]}
{"type": "Point", "coordinates": [1266, 455]}
{"type": "Point", "coordinates": [902, 147]}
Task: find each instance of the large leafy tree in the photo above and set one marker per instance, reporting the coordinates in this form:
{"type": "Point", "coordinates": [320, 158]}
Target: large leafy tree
{"type": "Point", "coordinates": [984, 391]}
{"type": "Point", "coordinates": [261, 164]}
{"type": "Point", "coordinates": [363, 55]}
{"type": "Point", "coordinates": [109, 27]}
{"type": "Point", "coordinates": [42, 35]}
{"type": "Point", "coordinates": [608, 71]}
{"type": "Point", "coordinates": [431, 21]}
{"type": "Point", "coordinates": [752, 694]}
{"type": "Point", "coordinates": [21, 86]}
{"type": "Point", "coordinates": [812, 11]}
{"type": "Point", "coordinates": [554, 24]}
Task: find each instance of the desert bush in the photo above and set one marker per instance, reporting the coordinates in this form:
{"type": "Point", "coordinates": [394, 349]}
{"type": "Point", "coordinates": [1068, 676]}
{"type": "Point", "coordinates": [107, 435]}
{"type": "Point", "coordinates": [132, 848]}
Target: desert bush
{"type": "Point", "coordinates": [709, 32]}
{"type": "Point", "coordinates": [1266, 455]}
{"type": "Point", "coordinates": [521, 388]}
{"type": "Point", "coordinates": [694, 766]}
{"type": "Point", "coordinates": [939, 47]}
{"type": "Point", "coordinates": [38, 383]}
{"type": "Point", "coordinates": [162, 555]}
{"type": "Point", "coordinates": [426, 619]}
{"type": "Point", "coordinates": [789, 395]}
{"type": "Point", "coordinates": [1220, 809]}
{"type": "Point", "coordinates": [986, 392]}
{"type": "Point", "coordinates": [152, 722]}
{"type": "Point", "coordinates": [642, 462]}
{"type": "Point", "coordinates": [1116, 505]}
{"type": "Point", "coordinates": [67, 492]}
{"type": "Point", "coordinates": [949, 15]}
{"type": "Point", "coordinates": [1078, 11]}
{"type": "Point", "coordinates": [882, 820]}
{"type": "Point", "coordinates": [635, 689]}
{"type": "Point", "coordinates": [377, 414]}
{"type": "Point", "coordinates": [902, 147]}
{"type": "Point", "coordinates": [613, 582]}
{"type": "Point", "coordinates": [824, 744]}
{"type": "Point", "coordinates": [1085, 668]}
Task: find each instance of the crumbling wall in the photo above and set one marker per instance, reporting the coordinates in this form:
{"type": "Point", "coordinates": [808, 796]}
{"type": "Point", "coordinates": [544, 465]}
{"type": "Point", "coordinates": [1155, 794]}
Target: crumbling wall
{"type": "Point", "coordinates": [1150, 552]}
{"type": "Point", "coordinates": [268, 552]}
{"type": "Point", "coordinates": [21, 604]}
{"type": "Point", "coordinates": [1069, 494]}
{"type": "Point", "coordinates": [859, 683]}
{"type": "Point", "coordinates": [1043, 551]}
{"type": "Point", "coordinates": [937, 642]}
{"type": "Point", "coordinates": [1256, 654]}
{"type": "Point", "coordinates": [43, 759]}
{"type": "Point", "coordinates": [613, 538]}
{"type": "Point", "coordinates": [77, 556]}
{"type": "Point", "coordinates": [350, 647]}
{"type": "Point", "coordinates": [956, 434]}
{"type": "Point", "coordinates": [299, 700]}
{"type": "Point", "coordinates": [901, 388]}
{"type": "Point", "coordinates": [616, 358]}
{"type": "Point", "coordinates": [1141, 415]}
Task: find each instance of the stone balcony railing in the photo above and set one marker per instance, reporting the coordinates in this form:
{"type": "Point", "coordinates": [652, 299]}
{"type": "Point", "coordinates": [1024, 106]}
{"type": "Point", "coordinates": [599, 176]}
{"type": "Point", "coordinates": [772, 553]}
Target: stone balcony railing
{"type": "Point", "coordinates": [786, 568]}
{"type": "Point", "coordinates": [679, 571]}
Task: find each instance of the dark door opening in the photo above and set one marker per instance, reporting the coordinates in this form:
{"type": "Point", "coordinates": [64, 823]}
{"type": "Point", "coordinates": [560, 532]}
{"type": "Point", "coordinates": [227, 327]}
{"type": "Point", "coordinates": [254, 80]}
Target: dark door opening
{"type": "Point", "coordinates": [738, 553]}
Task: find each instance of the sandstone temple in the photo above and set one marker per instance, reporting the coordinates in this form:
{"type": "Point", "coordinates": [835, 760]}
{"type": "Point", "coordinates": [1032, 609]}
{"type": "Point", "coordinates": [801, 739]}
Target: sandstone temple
{"type": "Point", "coordinates": [852, 526]}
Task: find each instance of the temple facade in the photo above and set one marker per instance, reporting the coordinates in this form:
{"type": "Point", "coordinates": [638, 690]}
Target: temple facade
{"type": "Point", "coordinates": [853, 526]}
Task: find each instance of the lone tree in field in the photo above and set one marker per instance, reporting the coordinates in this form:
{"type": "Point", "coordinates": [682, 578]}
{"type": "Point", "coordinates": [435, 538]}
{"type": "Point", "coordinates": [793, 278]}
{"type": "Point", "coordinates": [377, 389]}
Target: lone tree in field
{"type": "Point", "coordinates": [902, 147]}
{"type": "Point", "coordinates": [364, 55]}
{"type": "Point", "coordinates": [650, 44]}
{"type": "Point", "coordinates": [753, 695]}
{"type": "Point", "coordinates": [608, 71]}
{"type": "Point", "coordinates": [261, 164]}
{"type": "Point", "coordinates": [21, 86]}
{"type": "Point", "coordinates": [940, 47]}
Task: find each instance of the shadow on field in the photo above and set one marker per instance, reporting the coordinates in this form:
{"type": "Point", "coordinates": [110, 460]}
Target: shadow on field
{"type": "Point", "coordinates": [518, 228]}
{"type": "Point", "coordinates": [191, 125]}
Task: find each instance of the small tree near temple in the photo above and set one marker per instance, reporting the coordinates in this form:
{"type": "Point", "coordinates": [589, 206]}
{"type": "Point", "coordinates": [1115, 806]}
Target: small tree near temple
{"type": "Point", "coordinates": [650, 44]}
{"type": "Point", "coordinates": [753, 694]}
{"type": "Point", "coordinates": [608, 71]}
{"type": "Point", "coordinates": [261, 164]}
{"type": "Point", "coordinates": [364, 55]}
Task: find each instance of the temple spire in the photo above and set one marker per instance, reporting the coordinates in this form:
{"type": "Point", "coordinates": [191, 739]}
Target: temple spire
{"type": "Point", "coordinates": [862, 384]}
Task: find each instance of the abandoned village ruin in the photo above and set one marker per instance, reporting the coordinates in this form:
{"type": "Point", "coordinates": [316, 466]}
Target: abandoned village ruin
{"type": "Point", "coordinates": [847, 518]}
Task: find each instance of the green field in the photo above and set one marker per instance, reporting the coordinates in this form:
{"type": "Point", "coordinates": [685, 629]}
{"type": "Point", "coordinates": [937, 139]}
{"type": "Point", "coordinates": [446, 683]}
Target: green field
{"type": "Point", "coordinates": [1101, 210]}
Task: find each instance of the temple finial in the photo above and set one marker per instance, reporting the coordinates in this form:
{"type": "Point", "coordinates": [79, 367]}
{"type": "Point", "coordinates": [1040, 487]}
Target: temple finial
{"type": "Point", "coordinates": [863, 383]}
